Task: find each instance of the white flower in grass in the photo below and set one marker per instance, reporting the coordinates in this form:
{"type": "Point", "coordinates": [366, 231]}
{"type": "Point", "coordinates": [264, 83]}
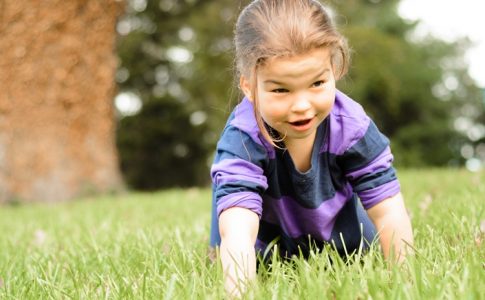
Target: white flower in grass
{"type": "Point", "coordinates": [39, 237]}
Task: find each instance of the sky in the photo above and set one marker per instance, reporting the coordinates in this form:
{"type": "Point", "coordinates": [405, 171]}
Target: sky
{"type": "Point", "coordinates": [450, 19]}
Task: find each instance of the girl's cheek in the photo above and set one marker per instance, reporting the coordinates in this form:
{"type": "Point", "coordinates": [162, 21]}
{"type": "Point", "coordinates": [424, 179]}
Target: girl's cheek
{"type": "Point", "coordinates": [274, 110]}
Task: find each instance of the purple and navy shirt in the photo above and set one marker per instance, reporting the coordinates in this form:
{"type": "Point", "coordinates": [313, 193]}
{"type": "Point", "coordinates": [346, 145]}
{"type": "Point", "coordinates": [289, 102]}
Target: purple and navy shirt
{"type": "Point", "coordinates": [350, 159]}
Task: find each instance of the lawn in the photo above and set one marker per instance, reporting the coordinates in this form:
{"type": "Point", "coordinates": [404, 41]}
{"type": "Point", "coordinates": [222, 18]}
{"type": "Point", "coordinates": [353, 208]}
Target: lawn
{"type": "Point", "coordinates": [154, 246]}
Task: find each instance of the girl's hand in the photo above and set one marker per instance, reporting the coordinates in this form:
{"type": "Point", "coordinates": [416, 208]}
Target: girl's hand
{"type": "Point", "coordinates": [238, 228]}
{"type": "Point", "coordinates": [392, 222]}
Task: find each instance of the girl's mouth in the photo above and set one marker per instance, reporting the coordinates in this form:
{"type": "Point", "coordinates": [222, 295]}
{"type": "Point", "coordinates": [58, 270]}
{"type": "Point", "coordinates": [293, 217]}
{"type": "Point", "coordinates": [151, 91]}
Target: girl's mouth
{"type": "Point", "coordinates": [302, 125]}
{"type": "Point", "coordinates": [301, 122]}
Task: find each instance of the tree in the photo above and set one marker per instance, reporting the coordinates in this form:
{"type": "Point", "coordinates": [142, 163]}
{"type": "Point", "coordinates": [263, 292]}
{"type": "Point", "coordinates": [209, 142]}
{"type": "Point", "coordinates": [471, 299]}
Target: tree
{"type": "Point", "coordinates": [56, 116]}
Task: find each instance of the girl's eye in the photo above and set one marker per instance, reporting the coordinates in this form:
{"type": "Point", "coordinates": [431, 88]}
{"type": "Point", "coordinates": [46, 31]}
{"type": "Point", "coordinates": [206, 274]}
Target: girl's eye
{"type": "Point", "coordinates": [279, 91]}
{"type": "Point", "coordinates": [318, 83]}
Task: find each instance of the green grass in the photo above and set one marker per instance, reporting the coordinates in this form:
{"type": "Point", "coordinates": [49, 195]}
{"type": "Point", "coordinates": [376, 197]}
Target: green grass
{"type": "Point", "coordinates": [154, 246]}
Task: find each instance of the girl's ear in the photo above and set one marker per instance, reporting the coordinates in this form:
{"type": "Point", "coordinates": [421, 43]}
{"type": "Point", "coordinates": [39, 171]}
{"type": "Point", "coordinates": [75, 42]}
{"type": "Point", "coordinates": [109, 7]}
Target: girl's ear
{"type": "Point", "coordinates": [245, 86]}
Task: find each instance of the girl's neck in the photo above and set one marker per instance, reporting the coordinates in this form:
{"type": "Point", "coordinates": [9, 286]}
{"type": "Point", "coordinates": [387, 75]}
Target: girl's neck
{"type": "Point", "coordinates": [300, 151]}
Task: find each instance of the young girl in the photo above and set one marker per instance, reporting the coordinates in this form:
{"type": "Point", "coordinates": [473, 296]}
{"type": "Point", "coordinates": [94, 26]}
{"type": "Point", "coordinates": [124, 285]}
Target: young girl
{"type": "Point", "coordinates": [296, 154]}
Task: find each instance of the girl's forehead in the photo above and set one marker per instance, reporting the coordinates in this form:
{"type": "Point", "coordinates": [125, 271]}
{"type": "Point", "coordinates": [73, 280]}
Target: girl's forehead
{"type": "Point", "coordinates": [307, 63]}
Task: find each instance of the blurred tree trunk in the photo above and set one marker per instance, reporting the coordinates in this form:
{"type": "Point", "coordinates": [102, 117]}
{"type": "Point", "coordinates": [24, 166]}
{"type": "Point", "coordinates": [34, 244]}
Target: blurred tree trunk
{"type": "Point", "coordinates": [57, 127]}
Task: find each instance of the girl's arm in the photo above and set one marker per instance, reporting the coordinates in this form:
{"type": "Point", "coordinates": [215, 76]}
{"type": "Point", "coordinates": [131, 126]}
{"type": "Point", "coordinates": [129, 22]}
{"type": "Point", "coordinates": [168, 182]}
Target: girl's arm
{"type": "Point", "coordinates": [392, 222]}
{"type": "Point", "coordinates": [238, 228]}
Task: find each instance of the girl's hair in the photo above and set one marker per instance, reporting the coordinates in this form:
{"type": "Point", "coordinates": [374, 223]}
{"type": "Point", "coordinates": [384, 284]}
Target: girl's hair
{"type": "Point", "coordinates": [284, 28]}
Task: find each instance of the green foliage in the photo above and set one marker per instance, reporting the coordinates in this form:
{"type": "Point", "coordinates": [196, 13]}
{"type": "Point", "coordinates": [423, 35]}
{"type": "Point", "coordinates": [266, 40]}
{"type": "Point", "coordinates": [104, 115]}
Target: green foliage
{"type": "Point", "coordinates": [154, 246]}
{"type": "Point", "coordinates": [185, 100]}
{"type": "Point", "coordinates": [149, 147]}
{"type": "Point", "coordinates": [401, 83]}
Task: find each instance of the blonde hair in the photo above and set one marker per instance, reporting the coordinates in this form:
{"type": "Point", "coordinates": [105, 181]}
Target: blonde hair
{"type": "Point", "coordinates": [284, 28]}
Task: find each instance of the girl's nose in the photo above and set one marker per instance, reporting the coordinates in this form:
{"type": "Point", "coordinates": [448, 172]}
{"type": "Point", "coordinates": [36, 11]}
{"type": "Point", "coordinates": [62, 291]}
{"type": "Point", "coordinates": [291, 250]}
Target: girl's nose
{"type": "Point", "coordinates": [301, 103]}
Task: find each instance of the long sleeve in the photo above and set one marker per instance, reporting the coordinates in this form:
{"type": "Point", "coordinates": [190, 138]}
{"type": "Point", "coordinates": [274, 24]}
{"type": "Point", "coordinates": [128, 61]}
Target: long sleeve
{"type": "Point", "coordinates": [367, 164]}
{"type": "Point", "coordinates": [237, 173]}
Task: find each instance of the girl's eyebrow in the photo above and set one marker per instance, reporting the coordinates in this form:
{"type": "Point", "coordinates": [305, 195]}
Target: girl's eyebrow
{"type": "Point", "coordinates": [321, 73]}
{"type": "Point", "coordinates": [276, 82]}
{"type": "Point", "coordinates": [273, 82]}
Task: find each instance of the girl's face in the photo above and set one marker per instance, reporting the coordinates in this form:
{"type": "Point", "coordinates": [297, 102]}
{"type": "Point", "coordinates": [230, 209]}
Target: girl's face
{"type": "Point", "coordinates": [295, 94]}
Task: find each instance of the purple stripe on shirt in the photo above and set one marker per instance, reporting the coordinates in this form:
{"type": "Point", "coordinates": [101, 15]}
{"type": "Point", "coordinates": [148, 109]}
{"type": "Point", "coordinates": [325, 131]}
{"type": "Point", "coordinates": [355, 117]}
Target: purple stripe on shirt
{"type": "Point", "coordinates": [249, 200]}
{"type": "Point", "coordinates": [373, 196]}
{"type": "Point", "coordinates": [348, 123]}
{"type": "Point", "coordinates": [296, 220]}
{"type": "Point", "coordinates": [382, 162]}
{"type": "Point", "coordinates": [245, 120]}
{"type": "Point", "coordinates": [232, 170]}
